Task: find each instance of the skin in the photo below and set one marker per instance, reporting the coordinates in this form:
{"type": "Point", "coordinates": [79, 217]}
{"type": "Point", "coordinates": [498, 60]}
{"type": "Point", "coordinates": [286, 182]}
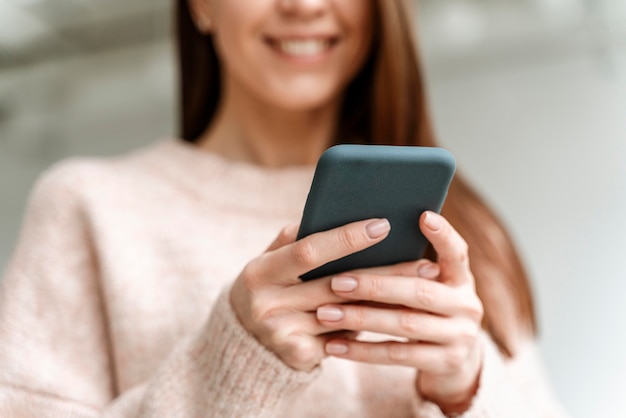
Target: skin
{"type": "Point", "coordinates": [278, 97]}
{"type": "Point", "coordinates": [433, 306]}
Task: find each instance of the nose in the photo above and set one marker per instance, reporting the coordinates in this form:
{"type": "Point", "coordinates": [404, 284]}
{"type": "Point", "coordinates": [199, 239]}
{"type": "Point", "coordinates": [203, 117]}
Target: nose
{"type": "Point", "coordinates": [303, 8]}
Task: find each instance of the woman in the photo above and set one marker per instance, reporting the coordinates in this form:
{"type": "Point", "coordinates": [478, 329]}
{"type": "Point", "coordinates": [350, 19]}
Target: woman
{"type": "Point", "coordinates": [113, 303]}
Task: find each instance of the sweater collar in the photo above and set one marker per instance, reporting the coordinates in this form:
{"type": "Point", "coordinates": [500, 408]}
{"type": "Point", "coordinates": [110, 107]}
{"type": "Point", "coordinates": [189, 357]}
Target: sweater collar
{"type": "Point", "coordinates": [234, 184]}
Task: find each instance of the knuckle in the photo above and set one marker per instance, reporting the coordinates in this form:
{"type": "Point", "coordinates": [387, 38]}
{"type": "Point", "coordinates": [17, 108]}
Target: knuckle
{"type": "Point", "coordinates": [373, 287]}
{"type": "Point", "coordinates": [397, 353]}
{"type": "Point", "coordinates": [454, 358]}
{"type": "Point", "coordinates": [302, 351]}
{"type": "Point", "coordinates": [259, 312]}
{"type": "Point", "coordinates": [410, 323]}
{"type": "Point", "coordinates": [283, 336]}
{"type": "Point", "coordinates": [468, 334]}
{"type": "Point", "coordinates": [424, 293]}
{"type": "Point", "coordinates": [304, 253]}
{"type": "Point", "coordinates": [306, 354]}
{"type": "Point", "coordinates": [357, 317]}
{"type": "Point", "coordinates": [279, 335]}
{"type": "Point", "coordinates": [252, 276]}
{"type": "Point", "coordinates": [474, 309]}
{"type": "Point", "coordinates": [350, 238]}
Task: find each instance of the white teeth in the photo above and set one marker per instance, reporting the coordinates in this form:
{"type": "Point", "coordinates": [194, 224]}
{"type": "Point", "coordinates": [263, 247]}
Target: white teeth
{"type": "Point", "coordinates": [303, 48]}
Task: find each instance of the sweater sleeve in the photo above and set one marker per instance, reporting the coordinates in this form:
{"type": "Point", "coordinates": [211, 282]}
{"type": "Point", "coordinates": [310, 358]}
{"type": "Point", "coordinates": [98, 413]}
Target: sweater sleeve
{"type": "Point", "coordinates": [55, 351]}
{"type": "Point", "coordinates": [513, 388]}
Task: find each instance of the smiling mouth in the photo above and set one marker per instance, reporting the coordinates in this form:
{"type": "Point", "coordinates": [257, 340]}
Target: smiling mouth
{"type": "Point", "coordinates": [302, 47]}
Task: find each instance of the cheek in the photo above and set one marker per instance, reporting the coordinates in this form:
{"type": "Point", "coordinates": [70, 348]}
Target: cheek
{"type": "Point", "coordinates": [235, 36]}
{"type": "Point", "coordinates": [357, 16]}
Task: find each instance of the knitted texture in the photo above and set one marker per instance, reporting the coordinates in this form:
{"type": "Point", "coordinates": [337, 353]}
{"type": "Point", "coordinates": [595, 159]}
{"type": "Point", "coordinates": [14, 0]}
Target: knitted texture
{"type": "Point", "coordinates": [115, 303]}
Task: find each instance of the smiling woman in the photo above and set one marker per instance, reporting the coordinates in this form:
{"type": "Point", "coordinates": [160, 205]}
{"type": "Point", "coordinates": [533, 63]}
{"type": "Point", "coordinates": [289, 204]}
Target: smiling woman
{"type": "Point", "coordinates": [298, 63]}
{"type": "Point", "coordinates": [269, 53]}
{"type": "Point", "coordinates": [172, 288]}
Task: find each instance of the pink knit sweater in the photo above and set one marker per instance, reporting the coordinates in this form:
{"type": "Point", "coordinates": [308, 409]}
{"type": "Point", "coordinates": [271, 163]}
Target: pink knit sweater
{"type": "Point", "coordinates": [115, 303]}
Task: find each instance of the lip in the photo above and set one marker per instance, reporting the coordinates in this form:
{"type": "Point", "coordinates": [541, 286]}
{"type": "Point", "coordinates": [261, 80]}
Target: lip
{"type": "Point", "coordinates": [324, 42]}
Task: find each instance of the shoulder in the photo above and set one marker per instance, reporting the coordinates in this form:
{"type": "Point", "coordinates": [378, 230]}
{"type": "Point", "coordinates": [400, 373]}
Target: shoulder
{"type": "Point", "coordinates": [76, 181]}
{"type": "Point", "coordinates": [59, 187]}
{"type": "Point", "coordinates": [78, 174]}
{"type": "Point", "coordinates": [67, 175]}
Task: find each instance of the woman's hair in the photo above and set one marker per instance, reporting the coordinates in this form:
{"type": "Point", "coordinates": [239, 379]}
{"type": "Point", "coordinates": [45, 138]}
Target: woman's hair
{"type": "Point", "coordinates": [386, 104]}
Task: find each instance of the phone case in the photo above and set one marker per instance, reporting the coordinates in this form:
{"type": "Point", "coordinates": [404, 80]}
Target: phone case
{"type": "Point", "coordinates": [356, 182]}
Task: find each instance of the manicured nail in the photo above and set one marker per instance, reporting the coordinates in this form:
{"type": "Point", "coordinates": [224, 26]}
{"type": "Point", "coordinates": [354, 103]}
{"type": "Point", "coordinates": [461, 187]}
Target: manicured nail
{"type": "Point", "coordinates": [336, 348]}
{"type": "Point", "coordinates": [433, 221]}
{"type": "Point", "coordinates": [378, 228]}
{"type": "Point", "coordinates": [329, 313]}
{"type": "Point", "coordinates": [343, 284]}
{"type": "Point", "coordinates": [428, 271]}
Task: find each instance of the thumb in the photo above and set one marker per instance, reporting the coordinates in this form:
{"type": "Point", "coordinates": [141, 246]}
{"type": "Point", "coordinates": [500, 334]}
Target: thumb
{"type": "Point", "coordinates": [451, 248]}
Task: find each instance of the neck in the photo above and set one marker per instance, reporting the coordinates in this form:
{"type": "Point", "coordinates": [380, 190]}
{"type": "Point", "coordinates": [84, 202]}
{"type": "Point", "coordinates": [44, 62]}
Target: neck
{"type": "Point", "coordinates": [247, 129]}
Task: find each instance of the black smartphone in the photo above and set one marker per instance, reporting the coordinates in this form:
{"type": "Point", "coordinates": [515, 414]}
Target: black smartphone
{"type": "Point", "coordinates": [357, 182]}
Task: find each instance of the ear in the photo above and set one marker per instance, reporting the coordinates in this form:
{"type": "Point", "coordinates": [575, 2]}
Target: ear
{"type": "Point", "coordinates": [201, 15]}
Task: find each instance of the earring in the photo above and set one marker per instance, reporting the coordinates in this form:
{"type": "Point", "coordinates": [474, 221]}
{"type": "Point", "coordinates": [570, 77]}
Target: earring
{"type": "Point", "coordinates": [208, 25]}
{"type": "Point", "coordinates": [205, 25]}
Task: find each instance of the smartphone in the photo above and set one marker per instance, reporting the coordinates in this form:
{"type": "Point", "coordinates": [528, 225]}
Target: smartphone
{"type": "Point", "coordinates": [357, 182]}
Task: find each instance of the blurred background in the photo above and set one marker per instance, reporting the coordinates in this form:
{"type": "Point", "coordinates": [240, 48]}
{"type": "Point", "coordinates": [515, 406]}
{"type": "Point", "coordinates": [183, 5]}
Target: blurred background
{"type": "Point", "coordinates": [529, 94]}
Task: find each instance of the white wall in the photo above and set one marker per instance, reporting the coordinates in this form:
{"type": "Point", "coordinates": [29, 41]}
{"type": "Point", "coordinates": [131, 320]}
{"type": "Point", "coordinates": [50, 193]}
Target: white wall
{"type": "Point", "coordinates": [96, 105]}
{"type": "Point", "coordinates": [543, 138]}
{"type": "Point", "coordinates": [546, 143]}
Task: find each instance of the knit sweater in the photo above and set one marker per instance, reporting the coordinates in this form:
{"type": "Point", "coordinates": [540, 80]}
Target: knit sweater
{"type": "Point", "coordinates": [115, 303]}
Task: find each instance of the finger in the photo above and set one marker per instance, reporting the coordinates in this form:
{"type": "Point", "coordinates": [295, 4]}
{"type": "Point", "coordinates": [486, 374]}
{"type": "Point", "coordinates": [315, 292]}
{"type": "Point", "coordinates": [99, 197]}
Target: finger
{"type": "Point", "coordinates": [412, 292]}
{"type": "Point", "coordinates": [287, 263]}
{"type": "Point", "coordinates": [307, 322]}
{"type": "Point", "coordinates": [451, 248]}
{"type": "Point", "coordinates": [403, 323]}
{"type": "Point", "coordinates": [423, 356]}
{"type": "Point", "coordinates": [282, 328]}
{"type": "Point", "coordinates": [423, 268]}
{"type": "Point", "coordinates": [301, 351]}
{"type": "Point", "coordinates": [286, 236]}
{"type": "Point", "coordinates": [308, 296]}
{"type": "Point", "coordinates": [428, 270]}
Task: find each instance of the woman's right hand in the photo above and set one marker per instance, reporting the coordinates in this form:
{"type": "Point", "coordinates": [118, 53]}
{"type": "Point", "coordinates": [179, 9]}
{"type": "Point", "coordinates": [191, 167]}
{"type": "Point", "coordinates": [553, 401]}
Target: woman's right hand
{"type": "Point", "coordinates": [279, 309]}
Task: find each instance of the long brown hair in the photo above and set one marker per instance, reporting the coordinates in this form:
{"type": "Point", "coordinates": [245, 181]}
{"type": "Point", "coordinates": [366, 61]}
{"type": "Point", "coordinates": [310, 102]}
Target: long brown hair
{"type": "Point", "coordinates": [386, 104]}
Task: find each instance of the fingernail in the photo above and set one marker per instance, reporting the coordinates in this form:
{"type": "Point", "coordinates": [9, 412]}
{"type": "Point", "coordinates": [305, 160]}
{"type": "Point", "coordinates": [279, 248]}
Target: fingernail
{"type": "Point", "coordinates": [378, 228]}
{"type": "Point", "coordinates": [329, 313]}
{"type": "Point", "coordinates": [336, 348]}
{"type": "Point", "coordinates": [343, 284]}
{"type": "Point", "coordinates": [428, 271]}
{"type": "Point", "coordinates": [433, 221]}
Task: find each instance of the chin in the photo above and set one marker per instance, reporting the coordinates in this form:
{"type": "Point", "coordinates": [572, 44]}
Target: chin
{"type": "Point", "coordinates": [304, 106]}
{"type": "Point", "coordinates": [303, 100]}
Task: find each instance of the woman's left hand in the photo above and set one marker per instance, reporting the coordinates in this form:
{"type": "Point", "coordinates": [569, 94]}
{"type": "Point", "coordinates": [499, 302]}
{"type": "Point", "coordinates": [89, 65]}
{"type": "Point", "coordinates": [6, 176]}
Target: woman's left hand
{"type": "Point", "coordinates": [433, 306]}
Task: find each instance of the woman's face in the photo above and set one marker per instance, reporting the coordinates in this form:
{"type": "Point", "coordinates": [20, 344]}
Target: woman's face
{"type": "Point", "coordinates": [292, 54]}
